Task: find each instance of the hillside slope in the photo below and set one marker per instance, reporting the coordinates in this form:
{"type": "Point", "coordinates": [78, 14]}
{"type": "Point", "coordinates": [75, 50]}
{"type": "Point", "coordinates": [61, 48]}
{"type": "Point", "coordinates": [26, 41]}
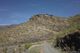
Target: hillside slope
{"type": "Point", "coordinates": [39, 27]}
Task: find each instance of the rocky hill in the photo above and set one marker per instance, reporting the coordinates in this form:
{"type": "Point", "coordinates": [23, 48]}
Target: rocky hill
{"type": "Point", "coordinates": [38, 27]}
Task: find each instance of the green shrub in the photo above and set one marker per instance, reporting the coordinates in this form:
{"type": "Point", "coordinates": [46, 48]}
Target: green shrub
{"type": "Point", "coordinates": [27, 45]}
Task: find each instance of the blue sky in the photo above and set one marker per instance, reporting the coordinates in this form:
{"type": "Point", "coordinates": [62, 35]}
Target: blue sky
{"type": "Point", "coordinates": [18, 11]}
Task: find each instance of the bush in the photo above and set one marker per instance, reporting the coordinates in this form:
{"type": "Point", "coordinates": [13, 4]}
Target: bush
{"type": "Point", "coordinates": [27, 45]}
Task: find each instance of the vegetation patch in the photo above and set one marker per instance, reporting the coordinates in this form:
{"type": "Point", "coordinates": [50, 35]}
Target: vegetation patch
{"type": "Point", "coordinates": [27, 45]}
{"type": "Point", "coordinates": [70, 42]}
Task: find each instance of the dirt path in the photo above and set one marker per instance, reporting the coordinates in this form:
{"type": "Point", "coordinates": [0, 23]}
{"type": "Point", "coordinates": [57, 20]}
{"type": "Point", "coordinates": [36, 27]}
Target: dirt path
{"type": "Point", "coordinates": [46, 48]}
